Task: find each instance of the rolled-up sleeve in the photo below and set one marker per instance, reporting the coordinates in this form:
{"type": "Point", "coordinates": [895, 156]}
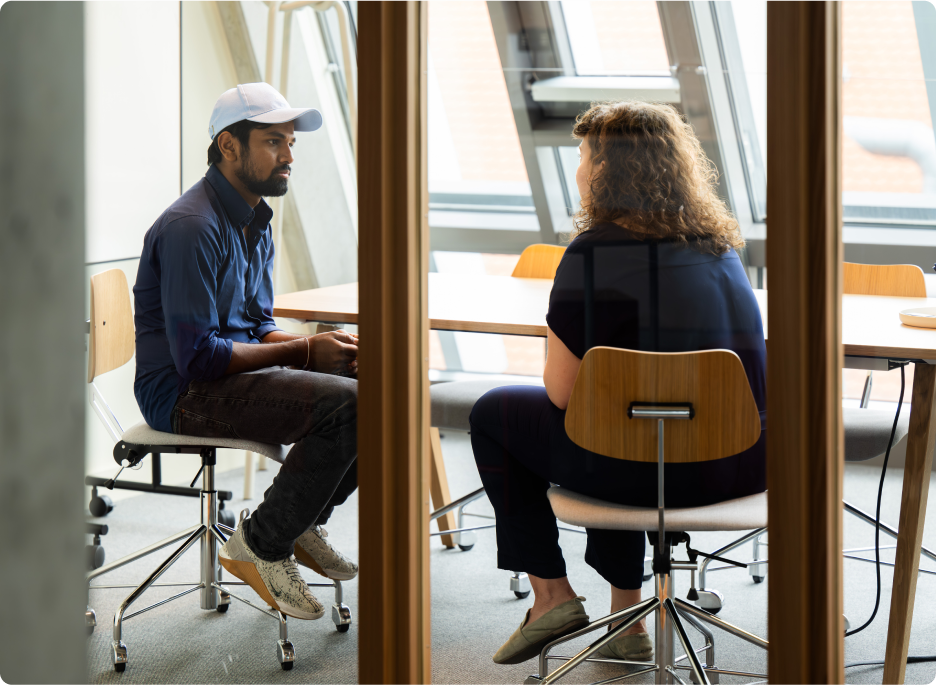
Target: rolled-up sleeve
{"type": "Point", "coordinates": [261, 308]}
{"type": "Point", "coordinates": [189, 256]}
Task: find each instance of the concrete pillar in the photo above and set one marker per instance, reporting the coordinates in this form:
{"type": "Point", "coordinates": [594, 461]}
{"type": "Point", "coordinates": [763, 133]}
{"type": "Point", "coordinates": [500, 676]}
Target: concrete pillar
{"type": "Point", "coordinates": [42, 345]}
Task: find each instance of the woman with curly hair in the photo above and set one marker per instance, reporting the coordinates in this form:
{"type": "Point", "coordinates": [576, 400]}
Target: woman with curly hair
{"type": "Point", "coordinates": [667, 278]}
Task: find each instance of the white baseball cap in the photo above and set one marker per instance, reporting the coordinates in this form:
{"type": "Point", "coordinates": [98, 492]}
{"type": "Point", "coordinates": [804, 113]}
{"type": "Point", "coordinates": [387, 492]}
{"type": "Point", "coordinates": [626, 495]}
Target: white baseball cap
{"type": "Point", "coordinates": [261, 103]}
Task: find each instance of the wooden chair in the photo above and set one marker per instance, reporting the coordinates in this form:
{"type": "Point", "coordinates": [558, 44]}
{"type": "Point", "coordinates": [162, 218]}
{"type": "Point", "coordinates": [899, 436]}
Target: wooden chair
{"type": "Point", "coordinates": [539, 261]}
{"type": "Point", "coordinates": [451, 405]}
{"type": "Point", "coordinates": [891, 280]}
{"type": "Point", "coordinates": [867, 431]}
{"type": "Point", "coordinates": [111, 346]}
{"type": "Point", "coordinates": [663, 408]}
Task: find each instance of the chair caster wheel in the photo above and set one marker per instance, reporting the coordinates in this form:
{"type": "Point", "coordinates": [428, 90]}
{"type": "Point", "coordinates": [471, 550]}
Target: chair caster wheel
{"type": "Point", "coordinates": [341, 616]}
{"type": "Point", "coordinates": [95, 556]}
{"type": "Point", "coordinates": [226, 518]}
{"type": "Point", "coordinates": [90, 620]}
{"type": "Point", "coordinates": [466, 540]}
{"type": "Point", "coordinates": [222, 608]}
{"type": "Point", "coordinates": [710, 600]}
{"type": "Point", "coordinates": [520, 585]}
{"type": "Point", "coordinates": [286, 654]}
{"type": "Point", "coordinates": [757, 579]}
{"type": "Point", "coordinates": [119, 652]}
{"type": "Point", "coordinates": [100, 505]}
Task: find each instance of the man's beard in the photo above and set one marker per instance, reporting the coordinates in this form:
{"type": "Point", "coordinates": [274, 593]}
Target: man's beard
{"type": "Point", "coordinates": [269, 187]}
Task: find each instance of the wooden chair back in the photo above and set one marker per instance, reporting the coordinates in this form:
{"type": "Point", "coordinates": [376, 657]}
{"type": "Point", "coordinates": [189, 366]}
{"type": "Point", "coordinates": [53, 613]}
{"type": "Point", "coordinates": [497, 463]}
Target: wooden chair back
{"type": "Point", "coordinates": [726, 419]}
{"type": "Point", "coordinates": [112, 340]}
{"type": "Point", "coordinates": [539, 261]}
{"type": "Point", "coordinates": [892, 280]}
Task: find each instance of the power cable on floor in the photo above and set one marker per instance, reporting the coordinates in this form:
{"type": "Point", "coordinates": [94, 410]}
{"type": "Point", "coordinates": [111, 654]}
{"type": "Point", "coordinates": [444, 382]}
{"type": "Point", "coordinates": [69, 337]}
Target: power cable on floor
{"type": "Point", "coordinates": [877, 544]}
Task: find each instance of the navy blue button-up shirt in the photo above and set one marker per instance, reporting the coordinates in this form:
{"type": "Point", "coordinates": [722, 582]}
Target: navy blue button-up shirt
{"type": "Point", "coordinates": [201, 284]}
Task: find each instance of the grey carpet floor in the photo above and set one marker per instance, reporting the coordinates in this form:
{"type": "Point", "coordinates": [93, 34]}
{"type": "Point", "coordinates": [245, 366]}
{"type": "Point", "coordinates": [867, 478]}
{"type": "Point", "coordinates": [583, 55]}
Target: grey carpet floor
{"type": "Point", "coordinates": [473, 609]}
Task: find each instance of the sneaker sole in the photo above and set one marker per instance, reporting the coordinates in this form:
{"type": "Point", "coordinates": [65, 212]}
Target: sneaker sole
{"type": "Point", "coordinates": [309, 562]}
{"type": "Point", "coordinates": [534, 649]}
{"type": "Point", "coordinates": [248, 573]}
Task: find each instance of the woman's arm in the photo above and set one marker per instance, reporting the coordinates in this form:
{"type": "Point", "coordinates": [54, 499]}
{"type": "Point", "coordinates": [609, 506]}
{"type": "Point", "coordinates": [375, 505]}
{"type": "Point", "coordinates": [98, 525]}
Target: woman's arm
{"type": "Point", "coordinates": [561, 369]}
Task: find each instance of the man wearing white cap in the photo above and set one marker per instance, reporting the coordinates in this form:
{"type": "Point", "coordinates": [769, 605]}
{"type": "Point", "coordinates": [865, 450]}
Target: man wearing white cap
{"type": "Point", "coordinates": [212, 363]}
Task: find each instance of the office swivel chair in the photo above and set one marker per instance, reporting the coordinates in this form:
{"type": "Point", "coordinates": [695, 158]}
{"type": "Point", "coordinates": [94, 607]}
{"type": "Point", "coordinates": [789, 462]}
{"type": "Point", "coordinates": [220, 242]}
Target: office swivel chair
{"type": "Point", "coordinates": [451, 405]}
{"type": "Point", "coordinates": [111, 346]}
{"type": "Point", "coordinates": [122, 347]}
{"type": "Point", "coordinates": [867, 431]}
{"type": "Point", "coordinates": [663, 408]}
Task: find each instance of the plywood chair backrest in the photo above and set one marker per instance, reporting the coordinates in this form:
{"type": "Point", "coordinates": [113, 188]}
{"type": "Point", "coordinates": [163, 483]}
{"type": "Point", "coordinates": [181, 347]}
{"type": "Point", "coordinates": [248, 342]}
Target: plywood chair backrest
{"type": "Point", "coordinates": [539, 261]}
{"type": "Point", "coordinates": [726, 419]}
{"type": "Point", "coordinates": [112, 342]}
{"type": "Point", "coordinates": [892, 280]}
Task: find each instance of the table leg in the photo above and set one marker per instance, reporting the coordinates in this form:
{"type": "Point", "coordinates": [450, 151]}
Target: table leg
{"type": "Point", "coordinates": [248, 475]}
{"type": "Point", "coordinates": [920, 442]}
{"type": "Point", "coordinates": [438, 486]}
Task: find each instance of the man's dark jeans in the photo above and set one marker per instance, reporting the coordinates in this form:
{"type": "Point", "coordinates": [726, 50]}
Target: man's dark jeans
{"type": "Point", "coordinates": [316, 413]}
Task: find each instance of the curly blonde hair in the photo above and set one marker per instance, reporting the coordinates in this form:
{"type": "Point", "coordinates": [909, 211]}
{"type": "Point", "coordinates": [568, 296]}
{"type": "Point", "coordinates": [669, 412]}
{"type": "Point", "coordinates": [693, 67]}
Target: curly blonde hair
{"type": "Point", "coordinates": [656, 181]}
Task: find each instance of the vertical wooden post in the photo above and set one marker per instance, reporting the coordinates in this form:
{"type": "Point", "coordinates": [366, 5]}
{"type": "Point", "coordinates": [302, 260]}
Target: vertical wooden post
{"type": "Point", "coordinates": [804, 258]}
{"type": "Point", "coordinates": [393, 398]}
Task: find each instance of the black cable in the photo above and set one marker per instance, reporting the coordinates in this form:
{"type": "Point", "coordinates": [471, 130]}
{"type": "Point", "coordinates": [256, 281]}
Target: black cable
{"type": "Point", "coordinates": [877, 548]}
{"type": "Point", "coordinates": [877, 514]}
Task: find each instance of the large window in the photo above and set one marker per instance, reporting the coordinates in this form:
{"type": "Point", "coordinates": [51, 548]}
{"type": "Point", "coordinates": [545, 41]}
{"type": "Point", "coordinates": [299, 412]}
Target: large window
{"type": "Point", "coordinates": [610, 38]}
{"type": "Point", "coordinates": [889, 155]}
{"type": "Point", "coordinates": [477, 175]}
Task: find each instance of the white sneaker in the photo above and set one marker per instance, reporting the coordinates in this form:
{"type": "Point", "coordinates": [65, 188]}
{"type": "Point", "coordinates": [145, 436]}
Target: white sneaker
{"type": "Point", "coordinates": [312, 551]}
{"type": "Point", "coordinates": [277, 582]}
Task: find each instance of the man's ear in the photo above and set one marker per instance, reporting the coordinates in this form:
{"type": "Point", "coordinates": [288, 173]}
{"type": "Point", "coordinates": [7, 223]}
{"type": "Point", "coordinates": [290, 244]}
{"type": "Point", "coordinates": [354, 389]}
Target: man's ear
{"type": "Point", "coordinates": [229, 146]}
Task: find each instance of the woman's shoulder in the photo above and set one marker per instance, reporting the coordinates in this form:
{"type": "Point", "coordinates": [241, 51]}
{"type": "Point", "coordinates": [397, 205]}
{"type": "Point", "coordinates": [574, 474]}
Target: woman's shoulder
{"type": "Point", "coordinates": [600, 233]}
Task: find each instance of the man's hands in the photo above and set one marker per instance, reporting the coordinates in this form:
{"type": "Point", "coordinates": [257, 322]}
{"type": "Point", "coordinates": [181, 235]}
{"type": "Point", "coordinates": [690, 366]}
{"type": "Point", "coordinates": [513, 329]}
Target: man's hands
{"type": "Point", "coordinates": [333, 352]}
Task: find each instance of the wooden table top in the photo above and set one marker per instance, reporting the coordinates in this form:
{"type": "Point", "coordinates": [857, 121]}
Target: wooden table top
{"type": "Point", "coordinates": [517, 306]}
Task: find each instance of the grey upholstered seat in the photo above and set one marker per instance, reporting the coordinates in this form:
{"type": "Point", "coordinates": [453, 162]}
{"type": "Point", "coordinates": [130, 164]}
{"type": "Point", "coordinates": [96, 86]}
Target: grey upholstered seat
{"type": "Point", "coordinates": [743, 513]}
{"type": "Point", "coordinates": [452, 402]}
{"type": "Point", "coordinates": [142, 434]}
{"type": "Point", "coordinates": [867, 431]}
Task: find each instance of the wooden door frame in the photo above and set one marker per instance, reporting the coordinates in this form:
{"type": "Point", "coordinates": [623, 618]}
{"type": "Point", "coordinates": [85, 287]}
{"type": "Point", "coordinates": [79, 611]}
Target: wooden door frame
{"type": "Point", "coordinates": [393, 402]}
{"type": "Point", "coordinates": [804, 265]}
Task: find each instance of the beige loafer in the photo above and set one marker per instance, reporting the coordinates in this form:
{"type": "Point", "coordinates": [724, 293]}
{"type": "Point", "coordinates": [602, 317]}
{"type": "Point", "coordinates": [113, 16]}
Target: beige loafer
{"type": "Point", "coordinates": [633, 647]}
{"type": "Point", "coordinates": [528, 640]}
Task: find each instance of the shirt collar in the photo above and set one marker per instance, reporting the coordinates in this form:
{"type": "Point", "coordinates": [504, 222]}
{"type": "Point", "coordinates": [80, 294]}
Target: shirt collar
{"type": "Point", "coordinates": [239, 212]}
